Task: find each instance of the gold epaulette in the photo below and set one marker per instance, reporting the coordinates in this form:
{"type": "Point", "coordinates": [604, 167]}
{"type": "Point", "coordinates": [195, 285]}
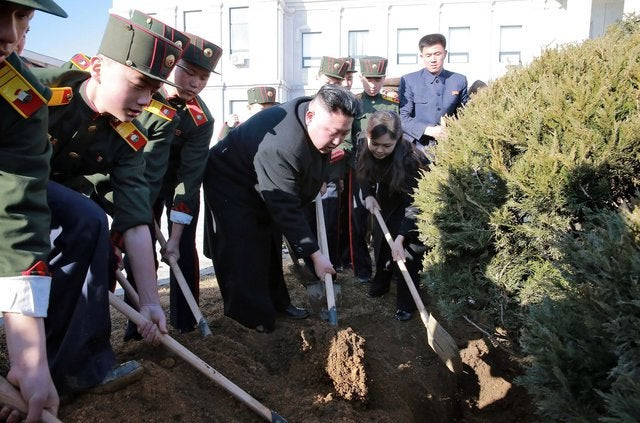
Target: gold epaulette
{"type": "Point", "coordinates": [391, 99]}
{"type": "Point", "coordinates": [81, 61]}
{"type": "Point", "coordinates": [14, 88]}
{"type": "Point", "coordinates": [130, 133]}
{"type": "Point", "coordinates": [60, 96]}
{"type": "Point", "coordinates": [196, 112]}
{"type": "Point", "coordinates": [158, 108]}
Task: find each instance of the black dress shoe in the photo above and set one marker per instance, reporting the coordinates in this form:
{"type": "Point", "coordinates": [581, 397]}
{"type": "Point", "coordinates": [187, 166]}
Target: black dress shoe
{"type": "Point", "coordinates": [294, 312]}
{"type": "Point", "coordinates": [402, 315]}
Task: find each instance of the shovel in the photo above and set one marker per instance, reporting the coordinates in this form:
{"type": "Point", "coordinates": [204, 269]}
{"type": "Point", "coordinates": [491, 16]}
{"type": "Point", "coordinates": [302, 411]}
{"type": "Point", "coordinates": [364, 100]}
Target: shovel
{"type": "Point", "coordinates": [324, 249]}
{"type": "Point", "coordinates": [177, 348]}
{"type": "Point", "coordinates": [184, 287]}
{"type": "Point", "coordinates": [439, 339]}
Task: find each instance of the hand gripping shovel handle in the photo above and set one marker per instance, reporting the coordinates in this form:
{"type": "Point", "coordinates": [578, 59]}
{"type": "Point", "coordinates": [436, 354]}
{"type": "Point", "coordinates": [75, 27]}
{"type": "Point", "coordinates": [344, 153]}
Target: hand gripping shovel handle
{"type": "Point", "coordinates": [439, 339]}
{"type": "Point", "coordinates": [186, 292]}
{"type": "Point", "coordinates": [10, 396]}
{"type": "Point", "coordinates": [178, 349]}
{"type": "Point", "coordinates": [324, 249]}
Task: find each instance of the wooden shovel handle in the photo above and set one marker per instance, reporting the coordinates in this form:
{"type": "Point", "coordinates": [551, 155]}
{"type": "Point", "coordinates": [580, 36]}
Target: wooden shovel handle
{"type": "Point", "coordinates": [324, 249]}
{"type": "Point", "coordinates": [439, 339]}
{"type": "Point", "coordinates": [10, 396]}
{"type": "Point", "coordinates": [196, 362]}
{"type": "Point", "coordinates": [184, 287]}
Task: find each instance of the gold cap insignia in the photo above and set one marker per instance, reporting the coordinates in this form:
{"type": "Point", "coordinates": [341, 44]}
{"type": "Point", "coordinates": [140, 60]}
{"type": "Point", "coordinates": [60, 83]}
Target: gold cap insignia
{"type": "Point", "coordinates": [128, 62]}
{"type": "Point", "coordinates": [207, 52]}
{"type": "Point", "coordinates": [374, 66]}
{"type": "Point", "coordinates": [170, 60]}
{"type": "Point", "coordinates": [336, 66]}
{"type": "Point", "coordinates": [149, 20]}
{"type": "Point", "coordinates": [269, 94]}
{"type": "Point", "coordinates": [179, 43]}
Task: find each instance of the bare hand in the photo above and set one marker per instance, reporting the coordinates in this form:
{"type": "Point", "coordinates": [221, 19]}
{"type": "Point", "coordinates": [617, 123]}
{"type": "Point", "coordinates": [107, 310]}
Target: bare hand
{"type": "Point", "coordinates": [171, 249]}
{"type": "Point", "coordinates": [232, 120]}
{"type": "Point", "coordinates": [323, 188]}
{"type": "Point", "coordinates": [156, 323]}
{"type": "Point", "coordinates": [37, 391]}
{"type": "Point", "coordinates": [371, 204]}
{"type": "Point", "coordinates": [437, 132]}
{"type": "Point", "coordinates": [322, 265]}
{"type": "Point", "coordinates": [397, 249]}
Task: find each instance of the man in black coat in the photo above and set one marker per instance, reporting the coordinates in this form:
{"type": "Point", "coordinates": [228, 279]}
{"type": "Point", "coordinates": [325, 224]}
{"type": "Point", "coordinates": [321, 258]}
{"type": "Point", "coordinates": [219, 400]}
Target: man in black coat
{"type": "Point", "coordinates": [257, 182]}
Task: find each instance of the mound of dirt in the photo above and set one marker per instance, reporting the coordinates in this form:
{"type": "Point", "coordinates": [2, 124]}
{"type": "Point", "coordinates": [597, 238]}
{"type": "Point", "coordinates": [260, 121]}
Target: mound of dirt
{"type": "Point", "coordinates": [371, 368]}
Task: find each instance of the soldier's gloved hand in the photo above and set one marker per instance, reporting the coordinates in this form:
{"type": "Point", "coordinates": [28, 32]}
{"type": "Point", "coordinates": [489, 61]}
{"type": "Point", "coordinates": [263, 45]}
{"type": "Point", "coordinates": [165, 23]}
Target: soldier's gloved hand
{"type": "Point", "coordinates": [371, 204]}
{"type": "Point", "coordinates": [156, 323]}
{"type": "Point", "coordinates": [171, 249]}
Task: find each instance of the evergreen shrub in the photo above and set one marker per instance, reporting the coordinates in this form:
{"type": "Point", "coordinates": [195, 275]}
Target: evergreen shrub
{"type": "Point", "coordinates": [531, 218]}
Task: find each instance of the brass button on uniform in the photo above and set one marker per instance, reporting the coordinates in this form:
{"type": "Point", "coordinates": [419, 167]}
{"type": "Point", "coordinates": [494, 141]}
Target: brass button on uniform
{"type": "Point", "coordinates": [74, 155]}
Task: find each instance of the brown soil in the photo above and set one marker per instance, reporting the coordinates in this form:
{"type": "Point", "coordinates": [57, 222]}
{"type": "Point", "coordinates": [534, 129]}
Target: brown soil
{"type": "Point", "coordinates": [371, 368]}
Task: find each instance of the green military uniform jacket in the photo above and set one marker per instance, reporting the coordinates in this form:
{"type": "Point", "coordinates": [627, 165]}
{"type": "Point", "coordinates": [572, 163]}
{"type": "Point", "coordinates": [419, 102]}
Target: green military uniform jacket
{"type": "Point", "coordinates": [160, 121]}
{"type": "Point", "coordinates": [188, 159]}
{"type": "Point", "coordinates": [370, 105]}
{"type": "Point", "coordinates": [24, 172]}
{"type": "Point", "coordinates": [87, 146]}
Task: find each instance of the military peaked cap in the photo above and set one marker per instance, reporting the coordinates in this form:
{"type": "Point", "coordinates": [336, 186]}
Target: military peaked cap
{"type": "Point", "coordinates": [334, 67]}
{"type": "Point", "coordinates": [202, 53]}
{"type": "Point", "coordinates": [152, 24]}
{"type": "Point", "coordinates": [261, 95]}
{"type": "Point", "coordinates": [373, 66]}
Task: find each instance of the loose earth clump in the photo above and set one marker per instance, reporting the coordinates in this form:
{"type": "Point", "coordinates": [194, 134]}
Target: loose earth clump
{"type": "Point", "coordinates": [371, 368]}
{"type": "Point", "coordinates": [345, 365]}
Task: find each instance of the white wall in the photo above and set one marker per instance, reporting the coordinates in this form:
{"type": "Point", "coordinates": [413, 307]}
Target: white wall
{"type": "Point", "coordinates": [275, 28]}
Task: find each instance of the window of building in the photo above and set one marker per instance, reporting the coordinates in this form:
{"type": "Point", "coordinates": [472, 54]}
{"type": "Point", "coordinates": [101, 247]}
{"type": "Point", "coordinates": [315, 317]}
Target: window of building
{"type": "Point", "coordinates": [358, 43]}
{"type": "Point", "coordinates": [311, 49]}
{"type": "Point", "coordinates": [238, 29]}
{"type": "Point", "coordinates": [510, 44]}
{"type": "Point", "coordinates": [458, 44]}
{"type": "Point", "coordinates": [238, 107]}
{"type": "Point", "coordinates": [407, 45]}
{"type": "Point", "coordinates": [191, 20]}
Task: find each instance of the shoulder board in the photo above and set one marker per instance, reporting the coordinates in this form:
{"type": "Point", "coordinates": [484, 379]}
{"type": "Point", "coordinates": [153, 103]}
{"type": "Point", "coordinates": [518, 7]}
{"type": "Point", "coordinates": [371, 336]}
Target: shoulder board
{"type": "Point", "coordinates": [158, 108]}
{"type": "Point", "coordinates": [81, 61]}
{"type": "Point", "coordinates": [391, 99]}
{"type": "Point", "coordinates": [196, 112]}
{"type": "Point", "coordinates": [14, 88]}
{"type": "Point", "coordinates": [60, 96]}
{"type": "Point", "coordinates": [130, 133]}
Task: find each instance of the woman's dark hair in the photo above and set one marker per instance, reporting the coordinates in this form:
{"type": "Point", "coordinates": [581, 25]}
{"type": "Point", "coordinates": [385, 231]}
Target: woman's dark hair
{"type": "Point", "coordinates": [371, 170]}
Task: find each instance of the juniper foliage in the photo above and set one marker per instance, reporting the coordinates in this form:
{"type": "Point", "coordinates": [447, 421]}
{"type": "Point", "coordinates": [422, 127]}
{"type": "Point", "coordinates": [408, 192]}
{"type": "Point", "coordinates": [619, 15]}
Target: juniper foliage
{"type": "Point", "coordinates": [526, 218]}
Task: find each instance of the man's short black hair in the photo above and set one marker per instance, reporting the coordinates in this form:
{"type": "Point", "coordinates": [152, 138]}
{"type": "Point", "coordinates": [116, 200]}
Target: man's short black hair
{"type": "Point", "coordinates": [336, 98]}
{"type": "Point", "coordinates": [432, 40]}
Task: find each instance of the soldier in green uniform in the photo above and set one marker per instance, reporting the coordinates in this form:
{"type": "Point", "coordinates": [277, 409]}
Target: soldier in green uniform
{"type": "Point", "coordinates": [258, 98]}
{"type": "Point", "coordinates": [372, 74]}
{"type": "Point", "coordinates": [25, 281]}
{"type": "Point", "coordinates": [347, 82]}
{"type": "Point", "coordinates": [93, 130]}
{"type": "Point", "coordinates": [188, 157]}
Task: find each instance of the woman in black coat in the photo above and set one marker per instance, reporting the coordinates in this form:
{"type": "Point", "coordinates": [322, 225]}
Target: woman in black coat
{"type": "Point", "coordinates": [389, 168]}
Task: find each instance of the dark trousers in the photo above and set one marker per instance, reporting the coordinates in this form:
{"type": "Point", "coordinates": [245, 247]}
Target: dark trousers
{"type": "Point", "coordinates": [78, 325]}
{"type": "Point", "coordinates": [246, 249]}
{"type": "Point", "coordinates": [360, 257]}
{"type": "Point", "coordinates": [180, 315]}
{"type": "Point", "coordinates": [386, 268]}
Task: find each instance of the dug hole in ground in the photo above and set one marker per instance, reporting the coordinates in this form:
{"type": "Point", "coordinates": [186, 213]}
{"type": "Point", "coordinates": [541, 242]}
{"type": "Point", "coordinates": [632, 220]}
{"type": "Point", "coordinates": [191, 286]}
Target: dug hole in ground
{"type": "Point", "coordinates": [371, 368]}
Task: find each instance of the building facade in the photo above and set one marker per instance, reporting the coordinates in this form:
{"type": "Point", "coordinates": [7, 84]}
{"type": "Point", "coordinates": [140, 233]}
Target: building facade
{"type": "Point", "coordinates": [279, 42]}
